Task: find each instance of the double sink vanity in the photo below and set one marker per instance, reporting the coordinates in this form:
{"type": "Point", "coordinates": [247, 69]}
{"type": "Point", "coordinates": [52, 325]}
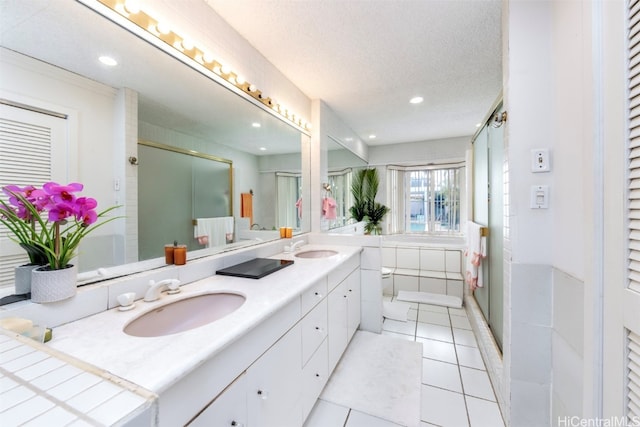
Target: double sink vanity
{"type": "Point", "coordinates": [228, 351]}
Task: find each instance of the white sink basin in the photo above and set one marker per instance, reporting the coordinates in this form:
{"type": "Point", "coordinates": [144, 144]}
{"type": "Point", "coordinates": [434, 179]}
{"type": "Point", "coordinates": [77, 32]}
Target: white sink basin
{"type": "Point", "coordinates": [324, 253]}
{"type": "Point", "coordinates": [183, 315]}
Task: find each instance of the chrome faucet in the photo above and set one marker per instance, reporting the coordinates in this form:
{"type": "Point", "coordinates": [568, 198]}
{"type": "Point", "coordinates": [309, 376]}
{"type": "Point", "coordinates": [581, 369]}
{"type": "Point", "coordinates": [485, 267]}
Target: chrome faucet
{"type": "Point", "coordinates": [155, 288]}
{"type": "Point", "coordinates": [296, 245]}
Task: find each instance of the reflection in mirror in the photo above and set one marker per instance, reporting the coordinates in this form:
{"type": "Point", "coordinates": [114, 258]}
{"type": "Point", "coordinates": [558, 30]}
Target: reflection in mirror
{"type": "Point", "coordinates": [149, 95]}
{"type": "Point", "coordinates": [342, 163]}
{"type": "Point", "coordinates": [200, 218]}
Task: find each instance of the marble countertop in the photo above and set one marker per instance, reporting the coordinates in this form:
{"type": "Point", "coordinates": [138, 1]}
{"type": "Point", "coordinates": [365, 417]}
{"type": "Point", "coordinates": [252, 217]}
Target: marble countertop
{"type": "Point", "coordinates": [155, 363]}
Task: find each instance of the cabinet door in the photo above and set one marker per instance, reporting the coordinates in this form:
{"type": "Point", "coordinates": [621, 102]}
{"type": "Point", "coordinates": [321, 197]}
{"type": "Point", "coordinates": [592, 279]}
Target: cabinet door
{"type": "Point", "coordinates": [337, 324]}
{"type": "Point", "coordinates": [353, 302]}
{"type": "Point", "coordinates": [228, 409]}
{"type": "Point", "coordinates": [274, 384]}
{"type": "Point", "coordinates": [314, 377]}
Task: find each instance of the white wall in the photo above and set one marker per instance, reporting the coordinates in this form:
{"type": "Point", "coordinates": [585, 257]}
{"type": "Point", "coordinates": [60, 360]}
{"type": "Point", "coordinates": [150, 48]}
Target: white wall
{"type": "Point", "coordinates": [438, 150]}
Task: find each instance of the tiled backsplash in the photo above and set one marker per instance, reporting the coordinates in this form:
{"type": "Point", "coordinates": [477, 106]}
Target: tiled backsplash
{"type": "Point", "coordinates": [39, 387]}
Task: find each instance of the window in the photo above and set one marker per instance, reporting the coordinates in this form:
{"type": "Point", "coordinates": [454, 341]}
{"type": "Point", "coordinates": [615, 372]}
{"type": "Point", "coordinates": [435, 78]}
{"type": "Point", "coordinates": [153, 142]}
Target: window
{"type": "Point", "coordinates": [426, 199]}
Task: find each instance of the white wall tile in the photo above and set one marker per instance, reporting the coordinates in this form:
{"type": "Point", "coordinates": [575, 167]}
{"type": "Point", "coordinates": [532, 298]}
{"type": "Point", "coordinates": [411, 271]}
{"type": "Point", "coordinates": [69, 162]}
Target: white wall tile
{"type": "Point", "coordinates": [55, 377]}
{"type": "Point", "coordinates": [455, 288]}
{"type": "Point", "coordinates": [94, 396]}
{"type": "Point", "coordinates": [432, 285]}
{"type": "Point", "coordinates": [111, 411]}
{"type": "Point", "coordinates": [75, 385]}
{"type": "Point", "coordinates": [529, 404]}
{"type": "Point", "coordinates": [431, 259]}
{"type": "Point", "coordinates": [568, 317]}
{"type": "Point", "coordinates": [531, 294]}
{"type": "Point", "coordinates": [453, 261]}
{"type": "Point", "coordinates": [531, 353]}
{"type": "Point", "coordinates": [567, 379]}
{"type": "Point", "coordinates": [408, 258]}
{"type": "Point", "coordinates": [14, 397]}
{"type": "Point", "coordinates": [405, 283]}
{"type": "Point", "coordinates": [57, 416]}
{"type": "Point", "coordinates": [48, 364]}
{"type": "Point", "coordinates": [388, 256]}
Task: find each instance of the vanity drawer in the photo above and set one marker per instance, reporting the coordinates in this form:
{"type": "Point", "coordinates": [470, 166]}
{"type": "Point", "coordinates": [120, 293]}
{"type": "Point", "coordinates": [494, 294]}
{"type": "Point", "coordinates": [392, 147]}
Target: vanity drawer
{"type": "Point", "coordinates": [313, 295]}
{"type": "Point", "coordinates": [314, 330]}
{"type": "Point", "coordinates": [342, 271]}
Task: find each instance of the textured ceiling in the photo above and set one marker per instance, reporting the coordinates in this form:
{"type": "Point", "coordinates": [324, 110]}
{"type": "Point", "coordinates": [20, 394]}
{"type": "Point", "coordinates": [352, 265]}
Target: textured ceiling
{"type": "Point", "coordinates": [367, 58]}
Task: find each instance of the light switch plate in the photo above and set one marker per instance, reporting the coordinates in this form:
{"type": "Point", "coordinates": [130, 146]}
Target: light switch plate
{"type": "Point", "coordinates": [539, 196]}
{"type": "Point", "coordinates": [540, 161]}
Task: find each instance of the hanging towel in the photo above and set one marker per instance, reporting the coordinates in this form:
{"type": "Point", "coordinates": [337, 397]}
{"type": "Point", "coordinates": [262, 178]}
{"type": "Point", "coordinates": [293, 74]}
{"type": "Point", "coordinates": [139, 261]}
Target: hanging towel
{"type": "Point", "coordinates": [213, 231]}
{"type": "Point", "coordinates": [299, 207]}
{"type": "Point", "coordinates": [475, 253]}
{"type": "Point", "coordinates": [329, 208]}
{"type": "Point", "coordinates": [246, 207]}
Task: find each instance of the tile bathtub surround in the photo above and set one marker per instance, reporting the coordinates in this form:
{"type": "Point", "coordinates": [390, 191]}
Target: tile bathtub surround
{"type": "Point", "coordinates": [38, 386]}
{"type": "Point", "coordinates": [456, 388]}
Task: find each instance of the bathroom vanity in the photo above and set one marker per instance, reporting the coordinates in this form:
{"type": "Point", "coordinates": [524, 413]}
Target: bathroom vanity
{"type": "Point", "coordinates": [263, 364]}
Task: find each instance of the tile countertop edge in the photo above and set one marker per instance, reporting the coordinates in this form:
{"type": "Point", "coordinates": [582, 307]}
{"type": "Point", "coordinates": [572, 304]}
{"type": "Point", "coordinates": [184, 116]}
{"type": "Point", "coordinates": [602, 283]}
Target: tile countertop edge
{"type": "Point", "coordinates": [99, 341]}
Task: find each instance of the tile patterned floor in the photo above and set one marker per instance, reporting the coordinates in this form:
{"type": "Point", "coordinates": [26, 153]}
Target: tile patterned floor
{"type": "Point", "coordinates": [456, 390]}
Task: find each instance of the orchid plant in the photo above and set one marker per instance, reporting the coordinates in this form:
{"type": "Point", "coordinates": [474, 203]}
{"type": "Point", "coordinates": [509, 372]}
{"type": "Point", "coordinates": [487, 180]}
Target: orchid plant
{"type": "Point", "coordinates": [50, 222]}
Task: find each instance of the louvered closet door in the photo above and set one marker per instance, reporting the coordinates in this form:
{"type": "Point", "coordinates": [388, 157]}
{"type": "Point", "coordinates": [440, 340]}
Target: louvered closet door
{"type": "Point", "coordinates": [33, 150]}
{"type": "Point", "coordinates": [631, 297]}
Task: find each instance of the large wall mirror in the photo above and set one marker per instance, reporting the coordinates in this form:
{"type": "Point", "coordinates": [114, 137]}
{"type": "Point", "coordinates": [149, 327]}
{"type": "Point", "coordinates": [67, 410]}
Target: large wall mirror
{"type": "Point", "coordinates": [49, 61]}
{"type": "Point", "coordinates": [342, 163]}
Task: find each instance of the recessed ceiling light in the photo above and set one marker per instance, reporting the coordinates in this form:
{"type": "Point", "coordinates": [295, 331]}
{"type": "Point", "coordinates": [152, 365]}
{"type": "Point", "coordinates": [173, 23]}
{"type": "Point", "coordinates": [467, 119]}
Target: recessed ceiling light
{"type": "Point", "coordinates": [107, 60]}
{"type": "Point", "coordinates": [478, 125]}
{"type": "Point", "coordinates": [256, 124]}
{"type": "Point", "coordinates": [263, 148]}
{"type": "Point", "coordinates": [416, 100]}
{"type": "Point", "coordinates": [372, 136]}
{"type": "Point", "coordinates": [349, 139]}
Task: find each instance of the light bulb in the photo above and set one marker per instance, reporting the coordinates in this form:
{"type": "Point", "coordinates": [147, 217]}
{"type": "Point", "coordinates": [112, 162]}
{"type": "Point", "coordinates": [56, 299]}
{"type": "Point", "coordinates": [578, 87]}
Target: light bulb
{"type": "Point", "coordinates": [131, 7]}
{"type": "Point", "coordinates": [186, 44]}
{"type": "Point", "coordinates": [163, 28]}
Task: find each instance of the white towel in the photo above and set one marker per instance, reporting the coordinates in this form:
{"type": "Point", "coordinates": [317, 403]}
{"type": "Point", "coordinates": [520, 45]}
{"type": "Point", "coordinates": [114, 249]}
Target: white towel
{"type": "Point", "coordinates": [476, 251]}
{"type": "Point", "coordinates": [213, 231]}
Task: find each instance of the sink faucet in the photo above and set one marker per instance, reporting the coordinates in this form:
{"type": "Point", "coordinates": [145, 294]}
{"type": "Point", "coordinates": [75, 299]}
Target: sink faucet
{"type": "Point", "coordinates": [296, 245]}
{"type": "Point", "coordinates": [155, 288]}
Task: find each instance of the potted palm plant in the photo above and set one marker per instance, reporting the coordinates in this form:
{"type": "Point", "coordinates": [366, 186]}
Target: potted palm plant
{"type": "Point", "coordinates": [50, 222]}
{"type": "Point", "coordinates": [364, 189]}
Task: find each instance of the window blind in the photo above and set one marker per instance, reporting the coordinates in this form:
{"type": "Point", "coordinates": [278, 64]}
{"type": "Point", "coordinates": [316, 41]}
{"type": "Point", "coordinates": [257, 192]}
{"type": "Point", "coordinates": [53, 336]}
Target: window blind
{"type": "Point", "coordinates": [633, 340]}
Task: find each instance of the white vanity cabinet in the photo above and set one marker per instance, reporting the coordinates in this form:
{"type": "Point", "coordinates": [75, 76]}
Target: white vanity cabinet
{"type": "Point", "coordinates": [344, 315]}
{"type": "Point", "coordinates": [282, 383]}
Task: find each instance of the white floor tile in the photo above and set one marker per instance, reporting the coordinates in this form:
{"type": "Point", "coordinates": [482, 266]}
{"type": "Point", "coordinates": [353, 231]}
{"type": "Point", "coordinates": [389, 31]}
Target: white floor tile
{"type": "Point", "coordinates": [458, 312]}
{"type": "Point", "coordinates": [359, 419]}
{"type": "Point", "coordinates": [460, 322]}
{"type": "Point", "coordinates": [412, 315]}
{"type": "Point", "coordinates": [397, 335]}
{"type": "Point", "coordinates": [408, 327]}
{"type": "Point", "coordinates": [438, 350]}
{"type": "Point", "coordinates": [326, 414]}
{"type": "Point", "coordinates": [441, 374]}
{"type": "Point", "coordinates": [464, 337]}
{"type": "Point", "coordinates": [470, 357]}
{"type": "Point", "coordinates": [434, 318]}
{"type": "Point", "coordinates": [443, 408]}
{"type": "Point", "coordinates": [434, 332]}
{"type": "Point", "coordinates": [476, 383]}
{"type": "Point", "coordinates": [433, 308]}
{"type": "Point", "coordinates": [483, 413]}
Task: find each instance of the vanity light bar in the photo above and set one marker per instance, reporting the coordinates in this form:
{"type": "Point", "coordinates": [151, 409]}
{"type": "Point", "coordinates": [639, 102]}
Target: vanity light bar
{"type": "Point", "coordinates": [129, 10]}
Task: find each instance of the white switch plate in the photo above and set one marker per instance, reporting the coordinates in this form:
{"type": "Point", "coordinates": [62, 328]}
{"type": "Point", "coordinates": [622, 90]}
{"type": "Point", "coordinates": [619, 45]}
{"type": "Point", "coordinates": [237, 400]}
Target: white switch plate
{"type": "Point", "coordinates": [539, 196]}
{"type": "Point", "coordinates": [540, 160]}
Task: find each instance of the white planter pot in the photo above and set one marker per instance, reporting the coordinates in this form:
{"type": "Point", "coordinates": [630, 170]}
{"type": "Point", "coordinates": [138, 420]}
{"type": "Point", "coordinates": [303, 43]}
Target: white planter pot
{"type": "Point", "coordinates": [53, 285]}
{"type": "Point", "coordinates": [22, 278]}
